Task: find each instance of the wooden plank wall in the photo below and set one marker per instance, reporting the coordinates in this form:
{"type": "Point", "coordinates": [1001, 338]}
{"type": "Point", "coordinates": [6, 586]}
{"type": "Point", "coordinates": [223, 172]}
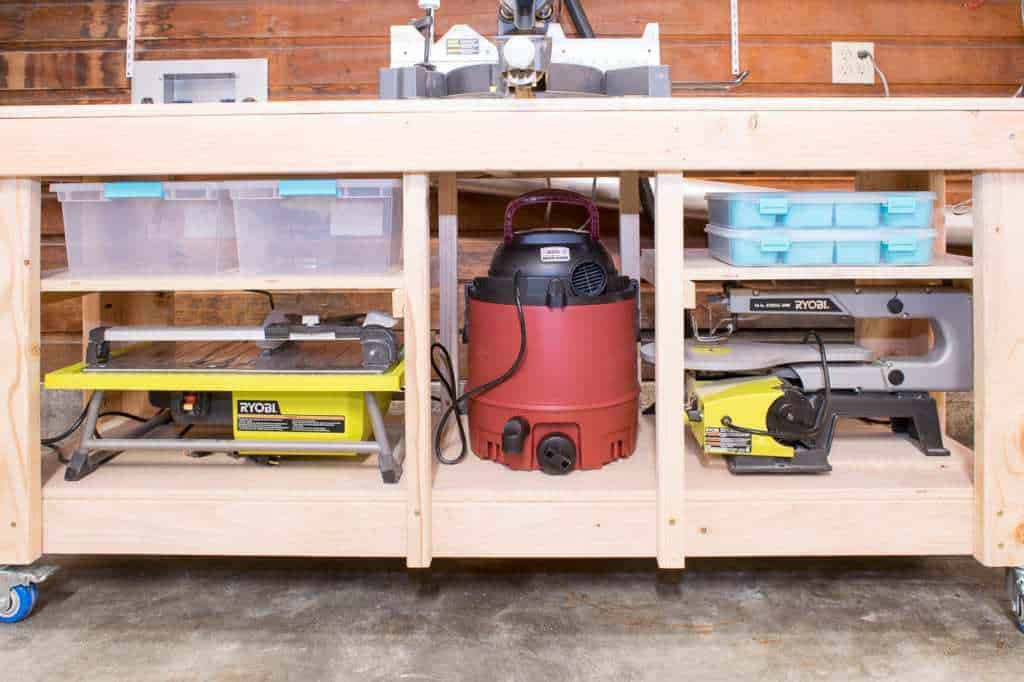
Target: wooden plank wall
{"type": "Point", "coordinates": [72, 51]}
{"type": "Point", "coordinates": [63, 50]}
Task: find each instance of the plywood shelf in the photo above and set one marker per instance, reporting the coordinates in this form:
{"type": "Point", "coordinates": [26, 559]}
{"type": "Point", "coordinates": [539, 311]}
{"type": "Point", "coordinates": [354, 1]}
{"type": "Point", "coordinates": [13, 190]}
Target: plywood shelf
{"type": "Point", "coordinates": [883, 497]}
{"type": "Point", "coordinates": [167, 503]}
{"type": "Point", "coordinates": [62, 281]}
{"type": "Point", "coordinates": [482, 508]}
{"type": "Point", "coordinates": [699, 266]}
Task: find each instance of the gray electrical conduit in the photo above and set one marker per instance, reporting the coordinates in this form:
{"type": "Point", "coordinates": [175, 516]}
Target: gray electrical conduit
{"type": "Point", "coordinates": [607, 194]}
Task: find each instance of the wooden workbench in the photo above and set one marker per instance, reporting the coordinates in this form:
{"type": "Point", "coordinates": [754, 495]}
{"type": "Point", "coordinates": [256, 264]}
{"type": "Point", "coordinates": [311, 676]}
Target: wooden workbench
{"type": "Point", "coordinates": [665, 502]}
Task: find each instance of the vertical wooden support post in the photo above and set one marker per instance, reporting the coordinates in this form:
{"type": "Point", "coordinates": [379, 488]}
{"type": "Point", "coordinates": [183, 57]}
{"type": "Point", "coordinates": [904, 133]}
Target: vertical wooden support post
{"type": "Point", "coordinates": [21, 495]}
{"type": "Point", "coordinates": [629, 235]}
{"type": "Point", "coordinates": [937, 184]}
{"type": "Point", "coordinates": [998, 369]}
{"type": "Point", "coordinates": [448, 268]}
{"type": "Point", "coordinates": [668, 303]}
{"type": "Point", "coordinates": [629, 224]}
{"type": "Point", "coordinates": [418, 478]}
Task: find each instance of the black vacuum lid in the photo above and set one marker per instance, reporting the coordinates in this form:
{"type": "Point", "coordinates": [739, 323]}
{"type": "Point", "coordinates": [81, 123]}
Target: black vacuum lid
{"type": "Point", "coordinates": [555, 267]}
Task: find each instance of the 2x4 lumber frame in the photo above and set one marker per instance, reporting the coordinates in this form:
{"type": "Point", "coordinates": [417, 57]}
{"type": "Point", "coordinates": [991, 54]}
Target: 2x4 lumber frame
{"type": "Point", "coordinates": [668, 303]}
{"type": "Point", "coordinates": [374, 137]}
{"type": "Point", "coordinates": [21, 516]}
{"type": "Point", "coordinates": [416, 255]}
{"type": "Point", "coordinates": [624, 134]}
{"type": "Point", "coordinates": [998, 369]}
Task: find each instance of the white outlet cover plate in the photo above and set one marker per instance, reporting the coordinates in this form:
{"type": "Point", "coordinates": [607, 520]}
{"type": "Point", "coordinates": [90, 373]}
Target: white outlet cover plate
{"type": "Point", "coordinates": [848, 68]}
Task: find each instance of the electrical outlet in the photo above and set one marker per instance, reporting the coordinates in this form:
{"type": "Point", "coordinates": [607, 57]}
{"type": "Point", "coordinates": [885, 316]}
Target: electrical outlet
{"type": "Point", "coordinates": [847, 67]}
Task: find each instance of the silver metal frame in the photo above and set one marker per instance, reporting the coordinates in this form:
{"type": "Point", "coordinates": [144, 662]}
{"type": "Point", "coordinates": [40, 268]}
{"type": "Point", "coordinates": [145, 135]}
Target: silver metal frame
{"type": "Point", "coordinates": [390, 465]}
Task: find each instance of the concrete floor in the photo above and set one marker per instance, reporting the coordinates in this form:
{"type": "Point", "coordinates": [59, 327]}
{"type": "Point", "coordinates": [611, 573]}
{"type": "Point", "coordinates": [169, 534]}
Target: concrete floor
{"type": "Point", "coordinates": [217, 619]}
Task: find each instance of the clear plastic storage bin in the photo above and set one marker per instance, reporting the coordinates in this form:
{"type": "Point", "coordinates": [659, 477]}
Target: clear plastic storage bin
{"type": "Point", "coordinates": [750, 210]}
{"type": "Point", "coordinates": [145, 228]}
{"type": "Point", "coordinates": [850, 246]}
{"type": "Point", "coordinates": [317, 226]}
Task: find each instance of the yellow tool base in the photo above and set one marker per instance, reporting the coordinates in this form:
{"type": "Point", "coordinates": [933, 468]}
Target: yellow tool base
{"type": "Point", "coordinates": [745, 401]}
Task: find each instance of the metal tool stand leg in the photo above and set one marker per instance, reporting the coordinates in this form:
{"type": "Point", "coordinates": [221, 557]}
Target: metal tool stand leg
{"type": "Point", "coordinates": [18, 591]}
{"type": "Point", "coordinates": [1015, 591]}
{"type": "Point", "coordinates": [390, 466]}
{"type": "Point", "coordinates": [86, 459]}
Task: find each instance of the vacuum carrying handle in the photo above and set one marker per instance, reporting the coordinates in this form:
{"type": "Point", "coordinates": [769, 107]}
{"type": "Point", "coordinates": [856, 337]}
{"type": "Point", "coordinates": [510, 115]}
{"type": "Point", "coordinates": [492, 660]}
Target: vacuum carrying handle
{"type": "Point", "coordinates": [553, 196]}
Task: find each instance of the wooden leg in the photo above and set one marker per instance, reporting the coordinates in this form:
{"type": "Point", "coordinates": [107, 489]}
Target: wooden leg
{"type": "Point", "coordinates": [668, 301]}
{"type": "Point", "coordinates": [998, 369]}
{"type": "Point", "coordinates": [418, 479]}
{"type": "Point", "coordinates": [448, 260]}
{"type": "Point", "coordinates": [20, 464]}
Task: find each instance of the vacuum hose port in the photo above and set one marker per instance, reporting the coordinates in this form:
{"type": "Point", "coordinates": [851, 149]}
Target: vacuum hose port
{"type": "Point", "coordinates": [557, 454]}
{"type": "Point", "coordinates": [513, 435]}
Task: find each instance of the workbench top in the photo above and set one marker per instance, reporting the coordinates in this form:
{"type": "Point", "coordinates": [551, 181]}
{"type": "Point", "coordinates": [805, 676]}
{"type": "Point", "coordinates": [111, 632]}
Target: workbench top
{"type": "Point", "coordinates": [481, 135]}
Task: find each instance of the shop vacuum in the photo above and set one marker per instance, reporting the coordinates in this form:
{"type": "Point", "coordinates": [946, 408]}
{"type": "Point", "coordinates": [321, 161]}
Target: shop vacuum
{"type": "Point", "coordinates": [558, 320]}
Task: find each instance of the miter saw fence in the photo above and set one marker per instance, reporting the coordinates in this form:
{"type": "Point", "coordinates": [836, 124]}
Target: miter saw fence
{"type": "Point", "coordinates": [774, 407]}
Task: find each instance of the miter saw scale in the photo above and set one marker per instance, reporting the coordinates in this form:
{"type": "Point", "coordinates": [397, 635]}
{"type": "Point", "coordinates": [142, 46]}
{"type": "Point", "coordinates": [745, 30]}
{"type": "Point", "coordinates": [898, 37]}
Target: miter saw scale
{"type": "Point", "coordinates": [774, 407]}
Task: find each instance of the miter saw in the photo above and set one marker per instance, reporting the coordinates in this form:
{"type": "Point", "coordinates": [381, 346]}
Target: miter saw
{"type": "Point", "coordinates": [773, 407]}
{"type": "Point", "coordinates": [530, 56]}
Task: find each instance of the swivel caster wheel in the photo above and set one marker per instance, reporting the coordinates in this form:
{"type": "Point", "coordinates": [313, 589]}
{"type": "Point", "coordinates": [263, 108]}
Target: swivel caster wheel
{"type": "Point", "coordinates": [20, 601]}
{"type": "Point", "coordinates": [18, 592]}
{"type": "Point", "coordinates": [1015, 591]}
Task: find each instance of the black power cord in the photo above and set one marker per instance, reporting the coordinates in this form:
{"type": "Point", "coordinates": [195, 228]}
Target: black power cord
{"type": "Point", "coordinates": [263, 292]}
{"type": "Point", "coordinates": [53, 442]}
{"type": "Point", "coordinates": [819, 418]}
{"type": "Point", "coordinates": [450, 383]}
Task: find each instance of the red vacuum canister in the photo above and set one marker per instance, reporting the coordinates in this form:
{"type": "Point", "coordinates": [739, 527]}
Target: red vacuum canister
{"type": "Point", "coordinates": [573, 401]}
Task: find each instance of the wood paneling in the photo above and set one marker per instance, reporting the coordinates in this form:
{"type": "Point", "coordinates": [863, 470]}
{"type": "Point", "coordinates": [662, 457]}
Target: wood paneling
{"type": "Point", "coordinates": [333, 48]}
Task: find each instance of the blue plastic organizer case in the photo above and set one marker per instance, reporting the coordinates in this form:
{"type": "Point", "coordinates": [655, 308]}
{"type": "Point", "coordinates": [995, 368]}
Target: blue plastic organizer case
{"type": "Point", "coordinates": [754, 210]}
{"type": "Point", "coordinates": [823, 246]}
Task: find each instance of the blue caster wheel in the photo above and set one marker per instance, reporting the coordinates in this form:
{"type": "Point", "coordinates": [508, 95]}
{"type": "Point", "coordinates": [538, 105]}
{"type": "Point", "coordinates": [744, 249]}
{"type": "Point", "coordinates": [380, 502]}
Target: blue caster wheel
{"type": "Point", "coordinates": [1015, 591]}
{"type": "Point", "coordinates": [22, 600]}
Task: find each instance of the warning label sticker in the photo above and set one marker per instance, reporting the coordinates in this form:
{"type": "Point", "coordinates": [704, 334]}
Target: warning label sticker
{"type": "Point", "coordinates": [462, 46]}
{"type": "Point", "coordinates": [554, 254]}
{"type": "Point", "coordinates": [286, 424]}
{"type": "Point", "coordinates": [727, 440]}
